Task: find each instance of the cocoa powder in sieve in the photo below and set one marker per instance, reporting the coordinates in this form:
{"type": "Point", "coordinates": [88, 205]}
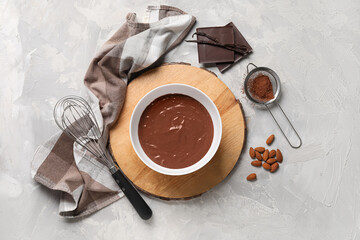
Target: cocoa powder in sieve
{"type": "Point", "coordinates": [261, 88]}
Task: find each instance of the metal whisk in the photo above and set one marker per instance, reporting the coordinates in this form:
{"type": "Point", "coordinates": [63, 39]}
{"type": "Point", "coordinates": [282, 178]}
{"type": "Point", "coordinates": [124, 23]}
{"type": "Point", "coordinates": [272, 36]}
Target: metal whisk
{"type": "Point", "coordinates": [75, 117]}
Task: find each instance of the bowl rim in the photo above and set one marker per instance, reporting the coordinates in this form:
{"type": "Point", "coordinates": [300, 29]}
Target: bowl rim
{"type": "Point", "coordinates": [215, 117]}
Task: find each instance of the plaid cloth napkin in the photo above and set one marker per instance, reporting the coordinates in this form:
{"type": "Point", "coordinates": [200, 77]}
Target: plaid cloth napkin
{"type": "Point", "coordinates": [85, 184]}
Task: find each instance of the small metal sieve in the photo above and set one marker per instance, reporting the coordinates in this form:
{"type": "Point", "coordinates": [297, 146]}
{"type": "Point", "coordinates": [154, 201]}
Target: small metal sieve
{"type": "Point", "coordinates": [275, 81]}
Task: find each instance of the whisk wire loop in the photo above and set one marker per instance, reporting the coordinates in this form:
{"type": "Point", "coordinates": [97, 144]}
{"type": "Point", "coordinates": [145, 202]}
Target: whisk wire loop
{"type": "Point", "coordinates": [75, 117]}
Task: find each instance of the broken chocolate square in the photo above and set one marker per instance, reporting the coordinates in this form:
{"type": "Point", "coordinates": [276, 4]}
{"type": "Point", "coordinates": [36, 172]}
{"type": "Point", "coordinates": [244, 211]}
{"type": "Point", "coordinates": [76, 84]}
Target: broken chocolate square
{"type": "Point", "coordinates": [215, 54]}
{"type": "Point", "coordinates": [239, 40]}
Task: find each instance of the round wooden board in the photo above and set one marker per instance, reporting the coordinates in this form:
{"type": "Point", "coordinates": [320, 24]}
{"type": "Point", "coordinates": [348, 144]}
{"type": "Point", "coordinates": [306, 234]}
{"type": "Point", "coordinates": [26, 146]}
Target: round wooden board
{"type": "Point", "coordinates": [194, 184]}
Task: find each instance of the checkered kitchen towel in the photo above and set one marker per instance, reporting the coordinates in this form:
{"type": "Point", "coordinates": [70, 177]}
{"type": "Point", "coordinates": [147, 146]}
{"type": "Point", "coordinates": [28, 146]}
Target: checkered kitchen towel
{"type": "Point", "coordinates": [85, 184]}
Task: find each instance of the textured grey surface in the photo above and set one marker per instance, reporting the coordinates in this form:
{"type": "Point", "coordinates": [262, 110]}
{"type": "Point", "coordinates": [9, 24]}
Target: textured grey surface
{"type": "Point", "coordinates": [46, 47]}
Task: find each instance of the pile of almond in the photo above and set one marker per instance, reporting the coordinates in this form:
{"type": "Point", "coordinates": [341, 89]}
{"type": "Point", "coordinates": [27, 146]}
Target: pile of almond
{"type": "Point", "coordinates": [268, 159]}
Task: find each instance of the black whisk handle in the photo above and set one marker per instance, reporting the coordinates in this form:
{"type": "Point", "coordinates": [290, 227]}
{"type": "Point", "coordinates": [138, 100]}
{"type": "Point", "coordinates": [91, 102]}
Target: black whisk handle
{"type": "Point", "coordinates": [132, 194]}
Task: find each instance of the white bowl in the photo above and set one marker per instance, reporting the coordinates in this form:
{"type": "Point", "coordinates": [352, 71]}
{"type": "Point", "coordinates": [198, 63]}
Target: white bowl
{"type": "Point", "coordinates": [180, 89]}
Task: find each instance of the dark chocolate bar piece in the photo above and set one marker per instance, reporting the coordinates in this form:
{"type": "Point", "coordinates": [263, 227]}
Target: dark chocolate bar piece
{"type": "Point", "coordinates": [239, 40]}
{"type": "Point", "coordinates": [214, 54]}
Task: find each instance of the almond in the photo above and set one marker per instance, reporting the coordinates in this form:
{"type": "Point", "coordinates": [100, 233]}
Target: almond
{"type": "Point", "coordinates": [260, 149]}
{"type": "Point", "coordinates": [256, 163]}
{"type": "Point", "coordinates": [270, 139]}
{"type": "Point", "coordinates": [266, 166]}
{"type": "Point", "coordinates": [266, 155]}
{"type": "Point", "coordinates": [252, 153]}
{"type": "Point", "coordinates": [258, 156]}
{"type": "Point", "coordinates": [279, 156]}
{"type": "Point", "coordinates": [271, 161]}
{"type": "Point", "coordinates": [251, 177]}
{"type": "Point", "coordinates": [274, 167]}
{"type": "Point", "coordinates": [272, 153]}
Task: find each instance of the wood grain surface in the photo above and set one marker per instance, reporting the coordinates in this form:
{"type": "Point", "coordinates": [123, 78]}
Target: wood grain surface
{"type": "Point", "coordinates": [194, 184]}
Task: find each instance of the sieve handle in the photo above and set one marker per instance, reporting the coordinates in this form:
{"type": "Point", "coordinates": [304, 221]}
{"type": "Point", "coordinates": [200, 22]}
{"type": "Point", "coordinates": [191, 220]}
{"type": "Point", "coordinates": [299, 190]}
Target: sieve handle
{"type": "Point", "coordinates": [247, 67]}
{"type": "Point", "coordinates": [281, 128]}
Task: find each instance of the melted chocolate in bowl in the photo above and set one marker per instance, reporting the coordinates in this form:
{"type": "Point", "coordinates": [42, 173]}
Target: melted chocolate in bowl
{"type": "Point", "coordinates": [175, 131]}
